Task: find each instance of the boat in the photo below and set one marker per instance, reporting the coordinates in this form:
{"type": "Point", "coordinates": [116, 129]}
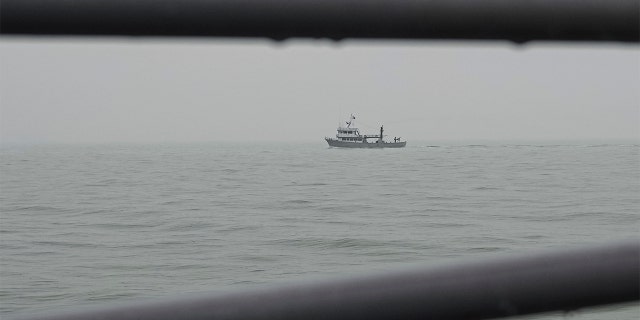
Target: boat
{"type": "Point", "coordinates": [350, 137]}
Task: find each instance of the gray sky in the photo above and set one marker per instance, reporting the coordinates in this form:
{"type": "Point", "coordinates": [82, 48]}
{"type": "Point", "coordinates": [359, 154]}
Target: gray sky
{"type": "Point", "coordinates": [121, 90]}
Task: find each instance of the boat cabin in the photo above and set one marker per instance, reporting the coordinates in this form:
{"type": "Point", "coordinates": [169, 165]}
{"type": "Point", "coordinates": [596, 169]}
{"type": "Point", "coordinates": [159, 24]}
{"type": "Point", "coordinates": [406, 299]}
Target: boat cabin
{"type": "Point", "coordinates": [348, 134]}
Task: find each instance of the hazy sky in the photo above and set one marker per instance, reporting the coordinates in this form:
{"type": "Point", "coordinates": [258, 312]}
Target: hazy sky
{"type": "Point", "coordinates": [127, 90]}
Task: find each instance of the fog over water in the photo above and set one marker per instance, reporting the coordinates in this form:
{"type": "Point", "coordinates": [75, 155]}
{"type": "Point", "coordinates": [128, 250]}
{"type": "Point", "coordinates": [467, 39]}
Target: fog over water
{"type": "Point", "coordinates": [119, 90]}
{"type": "Point", "coordinates": [150, 168]}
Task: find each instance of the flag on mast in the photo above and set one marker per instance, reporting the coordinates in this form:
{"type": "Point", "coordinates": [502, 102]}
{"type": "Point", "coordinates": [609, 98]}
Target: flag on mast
{"type": "Point", "coordinates": [350, 120]}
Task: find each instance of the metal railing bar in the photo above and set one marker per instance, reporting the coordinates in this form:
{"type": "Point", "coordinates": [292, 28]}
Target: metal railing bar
{"type": "Point", "coordinates": [498, 287]}
{"type": "Point", "coordinates": [514, 20]}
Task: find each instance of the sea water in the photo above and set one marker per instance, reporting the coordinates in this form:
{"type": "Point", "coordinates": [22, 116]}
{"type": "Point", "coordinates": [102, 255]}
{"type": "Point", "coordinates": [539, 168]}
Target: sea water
{"type": "Point", "coordinates": [89, 224]}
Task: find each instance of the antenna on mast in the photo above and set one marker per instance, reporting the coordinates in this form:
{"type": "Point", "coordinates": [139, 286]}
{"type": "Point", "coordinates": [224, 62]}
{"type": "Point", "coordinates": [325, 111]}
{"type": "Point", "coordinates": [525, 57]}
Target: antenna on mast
{"type": "Point", "coordinates": [350, 120]}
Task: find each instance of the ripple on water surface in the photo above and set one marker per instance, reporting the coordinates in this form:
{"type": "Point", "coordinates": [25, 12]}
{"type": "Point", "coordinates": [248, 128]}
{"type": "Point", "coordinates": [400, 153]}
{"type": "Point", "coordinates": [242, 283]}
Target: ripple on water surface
{"type": "Point", "coordinates": [92, 224]}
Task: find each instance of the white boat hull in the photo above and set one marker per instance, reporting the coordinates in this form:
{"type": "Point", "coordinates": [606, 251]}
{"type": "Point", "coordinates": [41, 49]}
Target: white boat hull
{"type": "Point", "coordinates": [357, 144]}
